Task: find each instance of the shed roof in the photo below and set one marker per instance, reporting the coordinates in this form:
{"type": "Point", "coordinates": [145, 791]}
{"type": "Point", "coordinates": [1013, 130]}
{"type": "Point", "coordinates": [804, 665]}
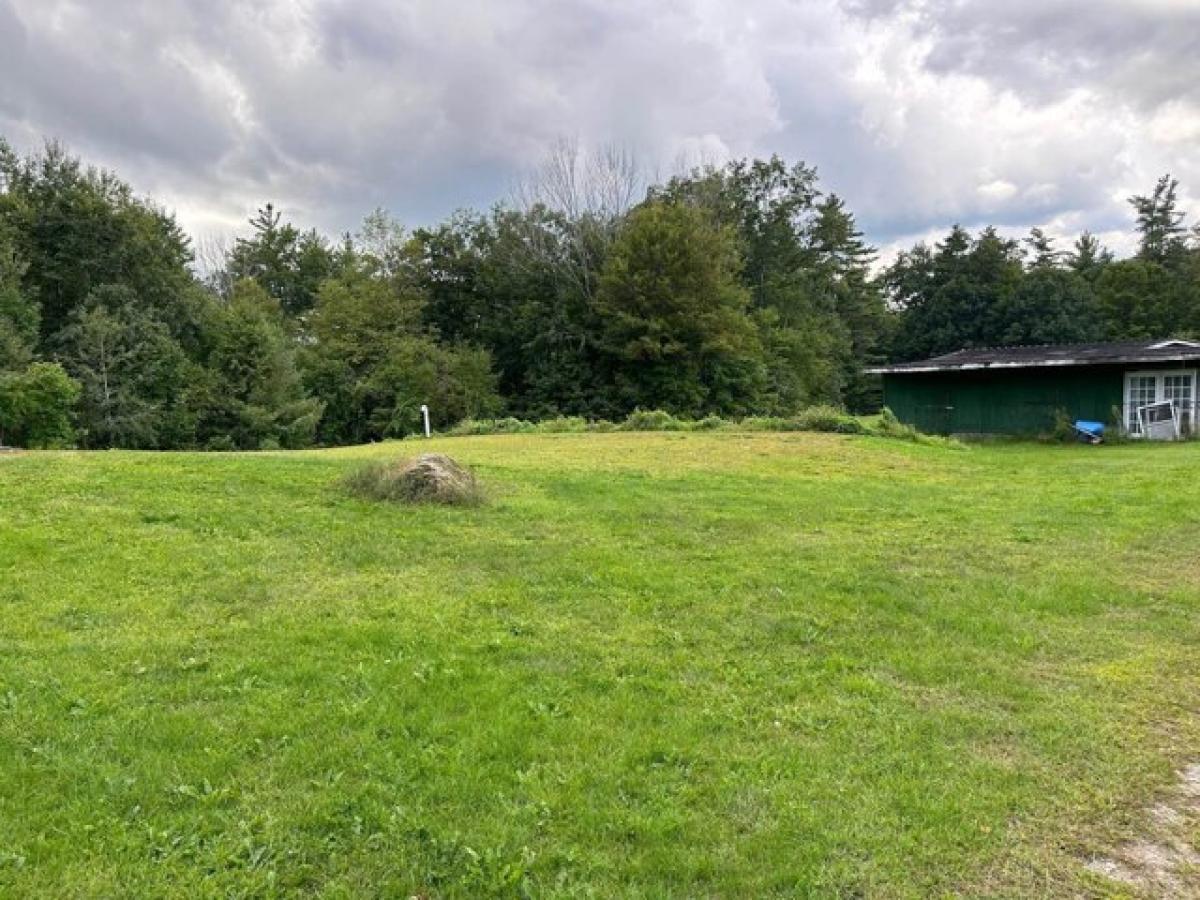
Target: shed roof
{"type": "Point", "coordinates": [1046, 355]}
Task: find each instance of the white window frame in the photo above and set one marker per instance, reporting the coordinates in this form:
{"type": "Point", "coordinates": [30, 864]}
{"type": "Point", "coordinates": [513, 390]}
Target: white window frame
{"type": "Point", "coordinates": [1129, 418]}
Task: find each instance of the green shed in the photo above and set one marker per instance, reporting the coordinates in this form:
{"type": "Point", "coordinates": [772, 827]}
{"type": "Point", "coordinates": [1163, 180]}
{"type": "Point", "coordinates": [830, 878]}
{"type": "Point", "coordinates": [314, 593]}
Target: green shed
{"type": "Point", "coordinates": [1020, 390]}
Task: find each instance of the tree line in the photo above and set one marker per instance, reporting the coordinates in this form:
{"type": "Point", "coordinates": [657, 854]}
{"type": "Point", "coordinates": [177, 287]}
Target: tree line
{"type": "Point", "coordinates": [987, 290]}
{"type": "Point", "coordinates": [733, 290]}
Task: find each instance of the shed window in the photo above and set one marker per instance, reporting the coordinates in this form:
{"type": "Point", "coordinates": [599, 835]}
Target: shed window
{"type": "Point", "coordinates": [1176, 387]}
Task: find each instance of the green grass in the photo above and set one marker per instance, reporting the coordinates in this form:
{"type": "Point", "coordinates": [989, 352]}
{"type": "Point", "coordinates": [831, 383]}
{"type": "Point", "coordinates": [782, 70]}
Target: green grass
{"type": "Point", "coordinates": [651, 665]}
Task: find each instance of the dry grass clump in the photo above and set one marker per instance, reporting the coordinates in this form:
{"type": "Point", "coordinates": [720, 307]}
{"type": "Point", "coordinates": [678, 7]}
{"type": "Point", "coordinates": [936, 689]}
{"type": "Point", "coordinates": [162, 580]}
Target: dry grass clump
{"type": "Point", "coordinates": [429, 478]}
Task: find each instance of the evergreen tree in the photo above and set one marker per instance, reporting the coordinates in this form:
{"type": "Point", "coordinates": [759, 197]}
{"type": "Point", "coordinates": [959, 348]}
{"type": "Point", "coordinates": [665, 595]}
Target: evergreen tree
{"type": "Point", "coordinates": [1156, 294]}
{"type": "Point", "coordinates": [255, 398]}
{"type": "Point", "coordinates": [1040, 250]}
{"type": "Point", "coordinates": [1160, 223]}
{"type": "Point", "coordinates": [843, 267]}
{"type": "Point", "coordinates": [806, 268]}
{"type": "Point", "coordinates": [287, 264]}
{"type": "Point", "coordinates": [950, 298]}
{"type": "Point", "coordinates": [1089, 257]}
{"type": "Point", "coordinates": [133, 374]}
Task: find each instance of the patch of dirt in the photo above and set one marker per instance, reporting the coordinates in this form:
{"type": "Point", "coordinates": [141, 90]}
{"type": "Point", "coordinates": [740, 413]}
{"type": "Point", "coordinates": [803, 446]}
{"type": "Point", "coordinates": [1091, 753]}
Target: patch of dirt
{"type": "Point", "coordinates": [1163, 861]}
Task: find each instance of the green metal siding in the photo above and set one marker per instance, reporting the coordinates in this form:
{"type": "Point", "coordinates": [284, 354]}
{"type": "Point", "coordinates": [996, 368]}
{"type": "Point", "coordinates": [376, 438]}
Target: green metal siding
{"type": "Point", "coordinates": [1006, 401]}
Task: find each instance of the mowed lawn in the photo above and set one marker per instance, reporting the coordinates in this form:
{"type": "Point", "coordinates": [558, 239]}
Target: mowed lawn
{"type": "Point", "coordinates": [652, 665]}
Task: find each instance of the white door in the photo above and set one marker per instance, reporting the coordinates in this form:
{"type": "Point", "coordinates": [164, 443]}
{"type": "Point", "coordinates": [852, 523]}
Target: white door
{"type": "Point", "coordinates": [1177, 387]}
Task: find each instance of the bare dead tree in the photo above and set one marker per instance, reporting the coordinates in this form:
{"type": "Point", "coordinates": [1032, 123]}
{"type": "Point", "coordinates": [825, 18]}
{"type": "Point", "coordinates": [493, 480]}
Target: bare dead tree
{"type": "Point", "coordinates": [210, 262]}
{"type": "Point", "coordinates": [602, 183]}
{"type": "Point", "coordinates": [691, 162]}
{"type": "Point", "coordinates": [586, 194]}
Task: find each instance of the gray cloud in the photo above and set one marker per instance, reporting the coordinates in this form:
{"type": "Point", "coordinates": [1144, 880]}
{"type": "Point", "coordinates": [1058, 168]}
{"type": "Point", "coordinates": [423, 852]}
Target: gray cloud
{"type": "Point", "coordinates": [920, 112]}
{"type": "Point", "coordinates": [1142, 51]}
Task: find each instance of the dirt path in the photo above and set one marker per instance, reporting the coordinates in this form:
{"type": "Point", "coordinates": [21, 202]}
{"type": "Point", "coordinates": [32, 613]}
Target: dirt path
{"type": "Point", "coordinates": [1164, 861]}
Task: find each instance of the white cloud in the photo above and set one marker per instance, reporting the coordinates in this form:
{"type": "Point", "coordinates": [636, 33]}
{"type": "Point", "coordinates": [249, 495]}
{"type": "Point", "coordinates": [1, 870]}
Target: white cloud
{"type": "Point", "coordinates": [997, 191]}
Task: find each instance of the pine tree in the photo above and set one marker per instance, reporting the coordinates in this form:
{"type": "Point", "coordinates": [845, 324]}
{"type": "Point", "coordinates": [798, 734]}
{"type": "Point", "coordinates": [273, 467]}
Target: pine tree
{"type": "Point", "coordinates": [256, 398]}
{"type": "Point", "coordinates": [287, 264]}
{"type": "Point", "coordinates": [1040, 250]}
{"type": "Point", "coordinates": [133, 373]}
{"type": "Point", "coordinates": [1160, 223]}
{"type": "Point", "coordinates": [843, 268]}
{"type": "Point", "coordinates": [1089, 256]}
{"type": "Point", "coordinates": [948, 297]}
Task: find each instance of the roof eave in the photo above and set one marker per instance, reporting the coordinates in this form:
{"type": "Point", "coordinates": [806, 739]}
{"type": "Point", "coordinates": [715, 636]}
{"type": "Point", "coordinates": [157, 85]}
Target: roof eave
{"type": "Point", "coordinates": [1029, 364]}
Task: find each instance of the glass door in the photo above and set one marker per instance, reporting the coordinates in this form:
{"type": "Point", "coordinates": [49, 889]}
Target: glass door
{"type": "Point", "coordinates": [1176, 387]}
{"type": "Point", "coordinates": [1140, 390]}
{"type": "Point", "coordinates": [1179, 388]}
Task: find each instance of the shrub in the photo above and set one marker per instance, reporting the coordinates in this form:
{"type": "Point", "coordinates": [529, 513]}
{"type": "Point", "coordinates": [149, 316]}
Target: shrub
{"type": "Point", "coordinates": [768, 423]}
{"type": "Point", "coordinates": [1063, 430]}
{"type": "Point", "coordinates": [429, 478]}
{"type": "Point", "coordinates": [887, 421]}
{"type": "Point", "coordinates": [887, 425]}
{"type": "Point", "coordinates": [827, 418]}
{"type": "Point", "coordinates": [562, 425]}
{"type": "Point", "coordinates": [35, 406]}
{"type": "Point", "coordinates": [710, 423]}
{"type": "Point", "coordinates": [510, 425]}
{"type": "Point", "coordinates": [1116, 432]}
{"type": "Point", "coordinates": [507, 425]}
{"type": "Point", "coordinates": [220, 443]}
{"type": "Point", "coordinates": [652, 420]}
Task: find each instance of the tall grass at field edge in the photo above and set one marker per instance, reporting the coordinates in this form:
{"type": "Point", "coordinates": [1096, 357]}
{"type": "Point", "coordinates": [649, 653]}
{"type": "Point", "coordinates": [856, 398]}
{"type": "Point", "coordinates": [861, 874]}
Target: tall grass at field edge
{"type": "Point", "coordinates": [823, 418]}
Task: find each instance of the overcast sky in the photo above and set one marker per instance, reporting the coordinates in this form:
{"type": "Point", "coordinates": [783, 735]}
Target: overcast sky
{"type": "Point", "coordinates": [921, 113]}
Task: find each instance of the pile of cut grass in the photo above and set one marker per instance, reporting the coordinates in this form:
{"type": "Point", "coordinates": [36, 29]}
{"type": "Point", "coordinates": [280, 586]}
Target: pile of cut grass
{"type": "Point", "coordinates": [429, 478]}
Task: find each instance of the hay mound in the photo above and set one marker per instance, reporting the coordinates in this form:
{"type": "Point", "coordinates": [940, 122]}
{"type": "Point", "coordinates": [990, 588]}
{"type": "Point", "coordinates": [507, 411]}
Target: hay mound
{"type": "Point", "coordinates": [430, 478]}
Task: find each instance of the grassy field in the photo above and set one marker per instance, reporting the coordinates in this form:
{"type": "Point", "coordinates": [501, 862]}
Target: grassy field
{"type": "Point", "coordinates": [651, 665]}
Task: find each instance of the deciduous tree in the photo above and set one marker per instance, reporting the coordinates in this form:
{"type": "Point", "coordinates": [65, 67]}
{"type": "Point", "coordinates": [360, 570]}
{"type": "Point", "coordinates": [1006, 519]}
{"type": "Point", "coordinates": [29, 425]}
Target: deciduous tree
{"type": "Point", "coordinates": [673, 314]}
